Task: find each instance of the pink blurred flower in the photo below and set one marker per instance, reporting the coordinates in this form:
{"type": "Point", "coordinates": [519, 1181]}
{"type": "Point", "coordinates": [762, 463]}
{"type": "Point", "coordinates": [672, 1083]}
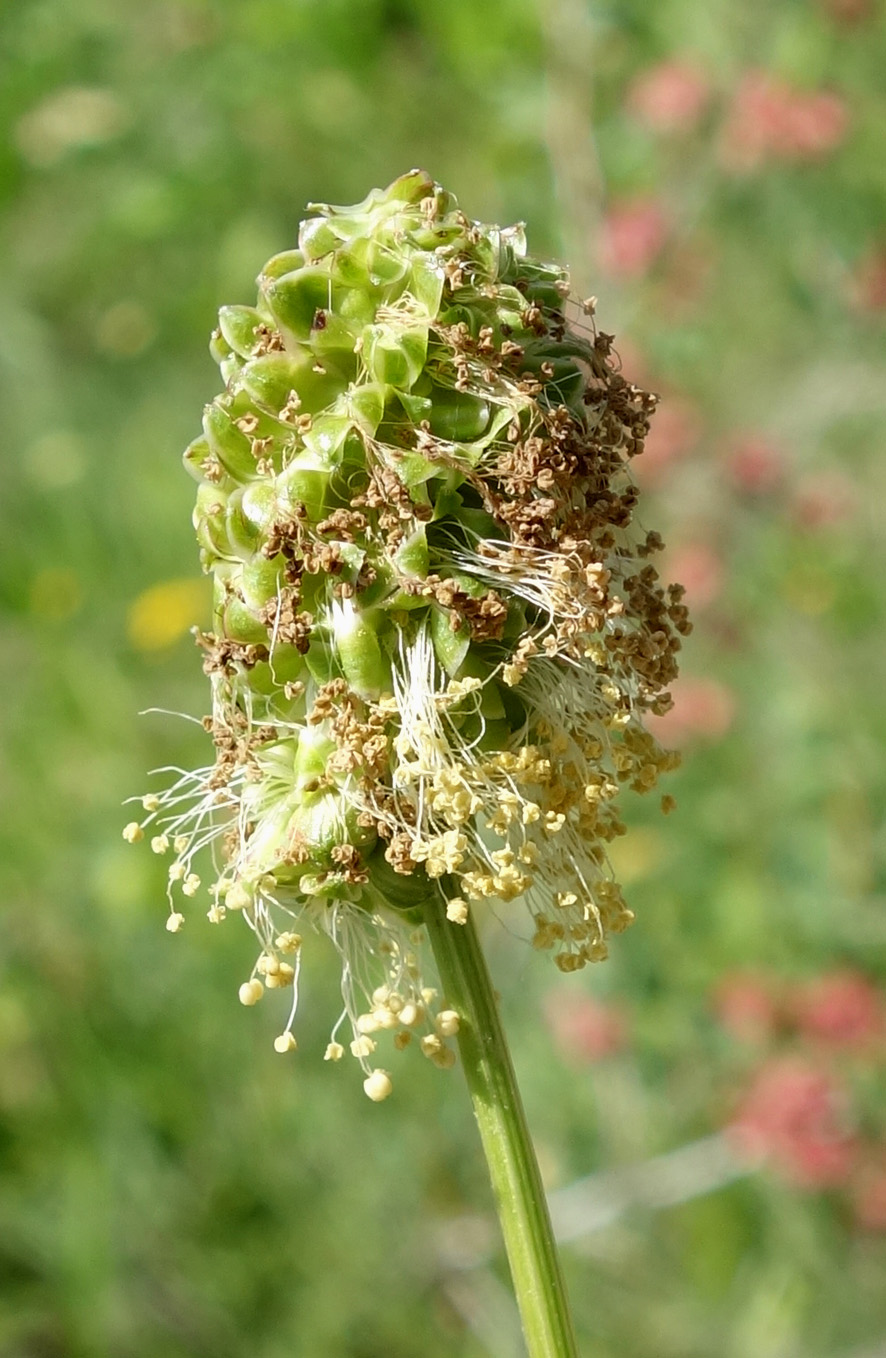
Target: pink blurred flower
{"type": "Point", "coordinates": [699, 568]}
{"type": "Point", "coordinates": [770, 120]}
{"type": "Point", "coordinates": [632, 235]}
{"type": "Point", "coordinates": [746, 1006]}
{"type": "Point", "coordinates": [868, 283]}
{"type": "Point", "coordinates": [842, 1008]}
{"type": "Point", "coordinates": [823, 499]}
{"type": "Point", "coordinates": [754, 464]}
{"type": "Point", "coordinates": [795, 1116]}
{"type": "Point", "coordinates": [702, 707]}
{"type": "Point", "coordinates": [674, 430]}
{"type": "Point", "coordinates": [585, 1028]}
{"type": "Point", "coordinates": [848, 12]}
{"type": "Point", "coordinates": [868, 1193]}
{"type": "Point", "coordinates": [670, 96]}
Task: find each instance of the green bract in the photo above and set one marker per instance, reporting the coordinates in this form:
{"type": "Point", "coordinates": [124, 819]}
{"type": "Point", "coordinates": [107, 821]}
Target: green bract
{"type": "Point", "coordinates": [436, 630]}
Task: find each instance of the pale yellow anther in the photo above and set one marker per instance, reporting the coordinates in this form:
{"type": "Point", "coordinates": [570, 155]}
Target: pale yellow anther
{"type": "Point", "coordinates": [133, 832]}
{"type": "Point", "coordinates": [216, 913]}
{"type": "Point", "coordinates": [160, 844]}
{"type": "Point", "coordinates": [180, 843]}
{"type": "Point", "coordinates": [385, 1017]}
{"type": "Point", "coordinates": [362, 1046]}
{"type": "Point", "coordinates": [191, 884]}
{"type": "Point", "coordinates": [238, 898]}
{"type": "Point", "coordinates": [447, 1023]}
{"type": "Point", "coordinates": [285, 1043]}
{"type": "Point", "coordinates": [377, 1085]}
{"type": "Point", "coordinates": [381, 994]}
{"type": "Point", "coordinates": [428, 995]}
{"type": "Point", "coordinates": [431, 1044]}
{"type": "Point", "coordinates": [151, 802]}
{"type": "Point", "coordinates": [444, 1059]}
{"type": "Point", "coordinates": [288, 942]}
{"type": "Point", "coordinates": [334, 1051]}
{"type": "Point", "coordinates": [367, 1023]}
{"type": "Point", "coordinates": [410, 1014]}
{"type": "Point", "coordinates": [177, 871]}
{"type": "Point", "coordinates": [283, 976]}
{"type": "Point", "coordinates": [251, 992]}
{"type": "Point", "coordinates": [531, 812]}
{"type": "Point", "coordinates": [457, 910]}
{"type": "Point", "coordinates": [174, 922]}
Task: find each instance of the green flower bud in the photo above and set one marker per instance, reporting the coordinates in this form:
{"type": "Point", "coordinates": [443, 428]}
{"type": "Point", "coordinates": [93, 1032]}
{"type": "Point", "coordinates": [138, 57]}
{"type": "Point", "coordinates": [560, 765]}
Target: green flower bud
{"type": "Point", "coordinates": [437, 628]}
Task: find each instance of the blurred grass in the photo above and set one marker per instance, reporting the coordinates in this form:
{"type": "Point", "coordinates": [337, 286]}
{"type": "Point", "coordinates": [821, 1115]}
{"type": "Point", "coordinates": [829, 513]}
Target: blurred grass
{"type": "Point", "coordinates": [170, 1187]}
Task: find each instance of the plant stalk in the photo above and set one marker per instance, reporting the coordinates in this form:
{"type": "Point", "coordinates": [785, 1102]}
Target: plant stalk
{"type": "Point", "coordinates": [513, 1168]}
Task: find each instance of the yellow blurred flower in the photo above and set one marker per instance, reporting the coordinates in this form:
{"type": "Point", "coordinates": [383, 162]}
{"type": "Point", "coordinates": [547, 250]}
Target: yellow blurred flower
{"type": "Point", "coordinates": [163, 613]}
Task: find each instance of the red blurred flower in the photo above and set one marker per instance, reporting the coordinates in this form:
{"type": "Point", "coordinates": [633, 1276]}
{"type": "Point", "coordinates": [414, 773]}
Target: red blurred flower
{"type": "Point", "coordinates": [795, 1116]}
{"type": "Point", "coordinates": [754, 464]}
{"type": "Point", "coordinates": [673, 432]}
{"type": "Point", "coordinates": [699, 569]}
{"type": "Point", "coordinates": [823, 499]}
{"type": "Point", "coordinates": [842, 1008]}
{"type": "Point", "coordinates": [868, 1193]}
{"type": "Point", "coordinates": [670, 96]}
{"type": "Point", "coordinates": [770, 120]}
{"type": "Point", "coordinates": [746, 1007]}
{"type": "Point", "coordinates": [868, 283]}
{"type": "Point", "coordinates": [632, 235]}
{"type": "Point", "coordinates": [702, 707]}
{"type": "Point", "coordinates": [585, 1028]}
{"type": "Point", "coordinates": [849, 12]}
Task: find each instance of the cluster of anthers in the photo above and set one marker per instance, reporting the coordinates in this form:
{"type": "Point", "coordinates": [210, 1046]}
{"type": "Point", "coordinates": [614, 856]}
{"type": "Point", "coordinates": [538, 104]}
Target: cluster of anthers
{"type": "Point", "coordinates": [437, 627]}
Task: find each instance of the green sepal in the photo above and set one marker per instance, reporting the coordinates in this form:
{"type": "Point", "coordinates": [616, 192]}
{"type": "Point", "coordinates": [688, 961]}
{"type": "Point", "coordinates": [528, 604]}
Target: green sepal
{"type": "Point", "coordinates": [363, 663]}
{"type": "Point", "coordinates": [194, 456]}
{"type": "Point", "coordinates": [395, 890]}
{"type": "Point", "coordinates": [210, 522]}
{"type": "Point", "coordinates": [305, 481]}
{"type": "Point", "coordinates": [318, 237]}
{"type": "Point", "coordinates": [239, 325]}
{"type": "Point", "coordinates": [219, 347]}
{"type": "Point", "coordinates": [457, 416]}
{"type": "Point", "coordinates": [228, 443]}
{"type": "Point", "coordinates": [411, 557]}
{"type": "Point", "coordinates": [287, 261]}
{"type": "Point", "coordinates": [426, 283]}
{"type": "Point", "coordinates": [387, 266]}
{"type": "Point", "coordinates": [417, 407]}
{"type": "Point", "coordinates": [395, 357]}
{"type": "Point", "coordinates": [366, 405]}
{"type": "Point", "coordinates": [450, 647]}
{"type": "Point", "coordinates": [271, 379]}
{"type": "Point", "coordinates": [259, 583]}
{"type": "Point", "coordinates": [296, 298]}
{"type": "Point", "coordinates": [240, 624]}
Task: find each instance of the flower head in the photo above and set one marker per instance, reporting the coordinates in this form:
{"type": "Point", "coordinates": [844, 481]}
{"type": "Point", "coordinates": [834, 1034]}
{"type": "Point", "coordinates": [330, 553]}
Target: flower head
{"type": "Point", "coordinates": [437, 628]}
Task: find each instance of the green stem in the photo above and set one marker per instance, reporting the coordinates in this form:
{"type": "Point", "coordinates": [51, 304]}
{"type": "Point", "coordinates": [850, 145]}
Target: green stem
{"type": "Point", "coordinates": [513, 1168]}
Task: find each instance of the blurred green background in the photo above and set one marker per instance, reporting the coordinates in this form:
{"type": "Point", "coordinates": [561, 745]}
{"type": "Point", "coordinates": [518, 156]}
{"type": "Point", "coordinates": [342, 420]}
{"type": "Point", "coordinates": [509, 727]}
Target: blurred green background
{"type": "Point", "coordinates": [170, 1185]}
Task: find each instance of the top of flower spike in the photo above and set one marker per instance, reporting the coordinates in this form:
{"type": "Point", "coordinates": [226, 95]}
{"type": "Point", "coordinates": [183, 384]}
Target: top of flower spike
{"type": "Point", "coordinates": [436, 628]}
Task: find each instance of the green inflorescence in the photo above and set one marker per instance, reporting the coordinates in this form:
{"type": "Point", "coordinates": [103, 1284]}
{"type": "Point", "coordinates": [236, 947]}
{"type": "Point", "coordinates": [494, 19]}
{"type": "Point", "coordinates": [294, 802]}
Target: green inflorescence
{"type": "Point", "coordinates": [436, 628]}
